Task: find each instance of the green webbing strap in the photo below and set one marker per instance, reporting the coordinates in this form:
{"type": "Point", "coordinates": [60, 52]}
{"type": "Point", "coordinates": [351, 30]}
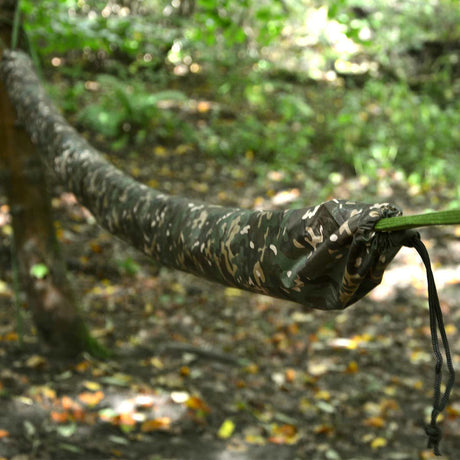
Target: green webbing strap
{"type": "Point", "coordinates": [450, 217]}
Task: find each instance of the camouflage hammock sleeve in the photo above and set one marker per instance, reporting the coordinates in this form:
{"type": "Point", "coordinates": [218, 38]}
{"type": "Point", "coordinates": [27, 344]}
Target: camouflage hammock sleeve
{"type": "Point", "coordinates": [325, 257]}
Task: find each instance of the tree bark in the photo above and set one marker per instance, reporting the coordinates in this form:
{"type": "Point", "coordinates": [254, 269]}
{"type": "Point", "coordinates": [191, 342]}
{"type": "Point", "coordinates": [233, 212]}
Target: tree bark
{"type": "Point", "coordinates": [49, 296]}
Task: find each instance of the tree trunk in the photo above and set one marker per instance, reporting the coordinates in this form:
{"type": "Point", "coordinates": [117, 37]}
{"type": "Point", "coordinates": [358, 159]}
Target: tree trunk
{"type": "Point", "coordinates": [49, 294]}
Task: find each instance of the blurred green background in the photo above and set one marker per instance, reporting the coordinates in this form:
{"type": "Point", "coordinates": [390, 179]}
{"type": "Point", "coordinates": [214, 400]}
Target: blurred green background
{"type": "Point", "coordinates": [327, 96]}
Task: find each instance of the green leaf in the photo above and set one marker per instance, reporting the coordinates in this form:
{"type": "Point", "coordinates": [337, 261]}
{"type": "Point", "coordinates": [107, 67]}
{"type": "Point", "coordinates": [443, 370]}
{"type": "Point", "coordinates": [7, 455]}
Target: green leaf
{"type": "Point", "coordinates": [70, 448]}
{"type": "Point", "coordinates": [120, 380]}
{"type": "Point", "coordinates": [118, 440]}
{"type": "Point", "coordinates": [128, 266]}
{"type": "Point", "coordinates": [226, 429]}
{"type": "Point", "coordinates": [108, 413]}
{"type": "Point", "coordinates": [39, 271]}
{"type": "Point", "coordinates": [67, 430]}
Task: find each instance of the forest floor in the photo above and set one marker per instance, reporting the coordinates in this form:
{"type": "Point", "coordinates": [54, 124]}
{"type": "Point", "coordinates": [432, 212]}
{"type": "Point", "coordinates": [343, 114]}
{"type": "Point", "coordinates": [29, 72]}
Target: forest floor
{"type": "Point", "coordinates": [206, 372]}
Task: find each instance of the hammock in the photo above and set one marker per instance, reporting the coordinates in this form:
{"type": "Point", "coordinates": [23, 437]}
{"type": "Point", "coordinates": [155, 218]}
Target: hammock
{"type": "Point", "coordinates": [326, 256]}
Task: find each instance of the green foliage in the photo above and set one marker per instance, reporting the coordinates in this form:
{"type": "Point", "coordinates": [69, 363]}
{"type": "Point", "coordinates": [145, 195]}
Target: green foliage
{"type": "Point", "coordinates": [128, 266]}
{"type": "Point", "coordinates": [391, 127]}
{"type": "Point", "coordinates": [400, 115]}
{"type": "Point", "coordinates": [276, 130]}
{"type": "Point", "coordinates": [65, 29]}
{"type": "Point", "coordinates": [39, 271]}
{"type": "Point", "coordinates": [93, 347]}
{"type": "Point", "coordinates": [229, 24]}
{"type": "Point", "coordinates": [389, 31]}
{"type": "Point", "coordinates": [226, 26]}
{"type": "Point", "coordinates": [79, 27]}
{"type": "Point", "coordinates": [123, 108]}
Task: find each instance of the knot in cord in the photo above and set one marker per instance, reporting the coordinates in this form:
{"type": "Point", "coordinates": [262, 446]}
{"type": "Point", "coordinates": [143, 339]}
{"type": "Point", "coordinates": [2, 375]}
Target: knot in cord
{"type": "Point", "coordinates": [436, 323]}
{"type": "Point", "coordinates": [434, 434]}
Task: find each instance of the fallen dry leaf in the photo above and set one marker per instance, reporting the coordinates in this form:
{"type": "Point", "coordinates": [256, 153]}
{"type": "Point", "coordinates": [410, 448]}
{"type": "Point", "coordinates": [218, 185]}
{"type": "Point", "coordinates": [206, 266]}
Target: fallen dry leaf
{"type": "Point", "coordinates": [226, 429]}
{"type": "Point", "coordinates": [325, 428]}
{"type": "Point", "coordinates": [290, 375]}
{"type": "Point", "coordinates": [378, 442]}
{"type": "Point", "coordinates": [59, 417]}
{"type": "Point", "coordinates": [283, 434]}
{"type": "Point", "coordinates": [82, 366]}
{"type": "Point", "coordinates": [376, 422]}
{"type": "Point", "coordinates": [36, 362]}
{"type": "Point", "coordinates": [126, 419]}
{"type": "Point", "coordinates": [196, 403]}
{"type": "Point", "coordinates": [352, 367]}
{"type": "Point", "coordinates": [160, 423]}
{"type": "Point", "coordinates": [323, 395]}
{"type": "Point", "coordinates": [91, 399]}
{"type": "Point", "coordinates": [92, 386]}
{"type": "Point", "coordinates": [68, 403]}
{"type": "Point", "coordinates": [185, 371]}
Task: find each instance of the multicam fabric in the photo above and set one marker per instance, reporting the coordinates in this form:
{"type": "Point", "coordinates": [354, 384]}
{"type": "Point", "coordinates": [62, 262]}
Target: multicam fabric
{"type": "Point", "coordinates": [325, 257]}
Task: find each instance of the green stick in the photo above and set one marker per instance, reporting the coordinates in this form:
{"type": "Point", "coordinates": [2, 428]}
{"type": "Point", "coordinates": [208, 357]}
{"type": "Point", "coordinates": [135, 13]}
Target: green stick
{"type": "Point", "coordinates": [450, 217]}
{"type": "Point", "coordinates": [16, 26]}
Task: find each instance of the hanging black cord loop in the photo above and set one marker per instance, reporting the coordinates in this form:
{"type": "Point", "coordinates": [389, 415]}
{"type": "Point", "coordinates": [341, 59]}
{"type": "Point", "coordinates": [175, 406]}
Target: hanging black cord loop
{"type": "Point", "coordinates": [436, 323]}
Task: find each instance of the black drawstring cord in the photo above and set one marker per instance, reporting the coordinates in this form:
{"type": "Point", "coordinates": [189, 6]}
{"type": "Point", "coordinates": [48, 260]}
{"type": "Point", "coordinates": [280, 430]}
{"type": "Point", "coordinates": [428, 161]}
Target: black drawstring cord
{"type": "Point", "coordinates": [436, 322]}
